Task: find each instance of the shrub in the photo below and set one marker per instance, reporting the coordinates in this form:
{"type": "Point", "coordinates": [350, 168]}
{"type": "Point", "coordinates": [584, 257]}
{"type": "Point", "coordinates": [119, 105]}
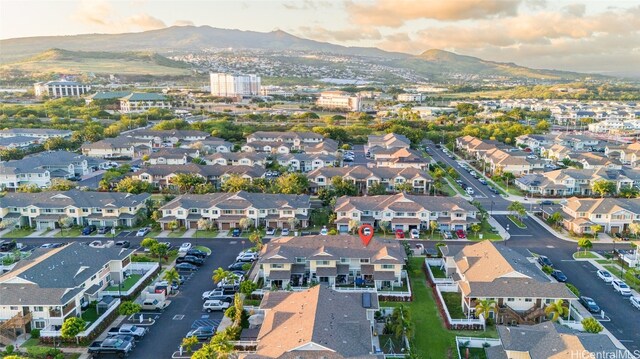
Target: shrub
{"type": "Point", "coordinates": [573, 289]}
{"type": "Point", "coordinates": [35, 333]}
{"type": "Point", "coordinates": [230, 312]}
{"type": "Point", "coordinates": [591, 325]}
{"type": "Point", "coordinates": [547, 269]}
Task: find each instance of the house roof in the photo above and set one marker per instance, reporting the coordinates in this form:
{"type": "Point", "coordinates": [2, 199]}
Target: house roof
{"type": "Point", "coordinates": [404, 202]}
{"type": "Point", "coordinates": [362, 173]}
{"type": "Point", "coordinates": [603, 205]}
{"type": "Point", "coordinates": [238, 200]}
{"type": "Point", "coordinates": [35, 131]}
{"type": "Point", "coordinates": [45, 160]}
{"type": "Point", "coordinates": [318, 318]}
{"type": "Point", "coordinates": [214, 170]}
{"type": "Point", "coordinates": [144, 96]}
{"type": "Point", "coordinates": [74, 197]}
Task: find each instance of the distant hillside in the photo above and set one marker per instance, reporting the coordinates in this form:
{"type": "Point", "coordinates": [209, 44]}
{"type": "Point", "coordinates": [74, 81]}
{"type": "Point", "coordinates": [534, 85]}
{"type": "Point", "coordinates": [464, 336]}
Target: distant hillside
{"type": "Point", "coordinates": [65, 61]}
{"type": "Point", "coordinates": [105, 50]}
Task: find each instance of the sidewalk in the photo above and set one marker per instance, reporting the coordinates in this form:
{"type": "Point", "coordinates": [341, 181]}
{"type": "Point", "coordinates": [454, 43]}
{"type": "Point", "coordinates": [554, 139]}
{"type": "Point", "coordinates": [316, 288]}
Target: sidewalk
{"type": "Point", "coordinates": [5, 231]}
{"type": "Point", "coordinates": [189, 233]}
{"type": "Point", "coordinates": [501, 231]}
{"type": "Point", "coordinates": [603, 238]}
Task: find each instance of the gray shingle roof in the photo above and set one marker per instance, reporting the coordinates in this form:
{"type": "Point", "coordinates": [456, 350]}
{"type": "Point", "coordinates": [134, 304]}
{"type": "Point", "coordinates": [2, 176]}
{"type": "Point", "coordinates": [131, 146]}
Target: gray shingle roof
{"type": "Point", "coordinates": [239, 200]}
{"type": "Point", "coordinates": [76, 198]}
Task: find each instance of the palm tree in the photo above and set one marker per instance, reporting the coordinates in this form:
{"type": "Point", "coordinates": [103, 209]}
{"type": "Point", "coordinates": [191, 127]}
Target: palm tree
{"type": "Point", "coordinates": [401, 322]}
{"type": "Point", "coordinates": [556, 310]}
{"type": "Point", "coordinates": [484, 307]}
{"type": "Point", "coordinates": [220, 274]}
{"type": "Point", "coordinates": [354, 224]}
{"type": "Point", "coordinates": [433, 225]}
{"type": "Point", "coordinates": [171, 275]}
{"type": "Point", "coordinates": [221, 345]}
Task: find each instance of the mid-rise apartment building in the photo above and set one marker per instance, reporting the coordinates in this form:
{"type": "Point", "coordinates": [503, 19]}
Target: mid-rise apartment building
{"type": "Point", "coordinates": [234, 85]}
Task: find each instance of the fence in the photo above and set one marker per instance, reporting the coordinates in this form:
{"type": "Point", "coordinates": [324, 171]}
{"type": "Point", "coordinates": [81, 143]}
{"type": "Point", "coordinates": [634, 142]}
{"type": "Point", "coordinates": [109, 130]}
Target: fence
{"type": "Point", "coordinates": [147, 269]}
{"type": "Point", "coordinates": [436, 262]}
{"type": "Point", "coordinates": [573, 324]}
{"type": "Point", "coordinates": [89, 331]}
{"type": "Point", "coordinates": [472, 342]}
{"type": "Point", "coordinates": [245, 346]}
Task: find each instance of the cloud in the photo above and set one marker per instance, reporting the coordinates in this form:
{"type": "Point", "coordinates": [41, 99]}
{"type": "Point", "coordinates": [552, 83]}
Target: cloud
{"type": "Point", "coordinates": [350, 34]}
{"type": "Point", "coordinates": [101, 14]}
{"type": "Point", "coordinates": [575, 9]}
{"type": "Point", "coordinates": [395, 13]}
{"type": "Point", "coordinates": [183, 23]}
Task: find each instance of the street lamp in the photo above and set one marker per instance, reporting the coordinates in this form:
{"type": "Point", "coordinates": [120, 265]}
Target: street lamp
{"type": "Point", "coordinates": [507, 238]}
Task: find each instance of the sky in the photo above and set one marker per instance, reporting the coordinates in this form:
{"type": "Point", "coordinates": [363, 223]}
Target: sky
{"type": "Point", "coordinates": [590, 36]}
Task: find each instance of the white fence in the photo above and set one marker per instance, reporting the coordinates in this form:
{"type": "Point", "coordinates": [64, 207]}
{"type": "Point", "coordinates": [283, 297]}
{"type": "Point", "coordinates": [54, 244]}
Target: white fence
{"type": "Point", "coordinates": [437, 262]}
{"type": "Point", "coordinates": [89, 329]}
{"type": "Point", "coordinates": [573, 324]}
{"type": "Point", "coordinates": [148, 268]}
{"type": "Point", "coordinates": [468, 321]}
{"type": "Point", "coordinates": [472, 342]}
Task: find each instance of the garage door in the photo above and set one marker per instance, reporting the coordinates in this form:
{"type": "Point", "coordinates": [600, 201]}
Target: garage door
{"type": "Point", "coordinates": [193, 224]}
{"type": "Point", "coordinates": [344, 228]}
{"type": "Point", "coordinates": [285, 224]}
{"type": "Point", "coordinates": [459, 226]}
{"type": "Point", "coordinates": [226, 225]}
{"type": "Point", "coordinates": [615, 229]}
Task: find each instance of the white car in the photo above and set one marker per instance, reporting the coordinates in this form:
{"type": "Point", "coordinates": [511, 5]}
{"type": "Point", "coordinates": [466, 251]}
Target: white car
{"type": "Point", "coordinates": [621, 287]}
{"type": "Point", "coordinates": [213, 305]}
{"type": "Point", "coordinates": [635, 301]}
{"type": "Point", "coordinates": [415, 234]}
{"type": "Point", "coordinates": [605, 276]}
{"type": "Point", "coordinates": [96, 244]}
{"type": "Point", "coordinates": [143, 232]}
{"type": "Point", "coordinates": [247, 257]}
{"type": "Point", "coordinates": [324, 231]}
{"type": "Point", "coordinates": [285, 231]}
{"type": "Point", "coordinates": [184, 247]}
{"type": "Point", "coordinates": [366, 231]}
{"type": "Point", "coordinates": [270, 231]}
{"type": "Point", "coordinates": [470, 191]}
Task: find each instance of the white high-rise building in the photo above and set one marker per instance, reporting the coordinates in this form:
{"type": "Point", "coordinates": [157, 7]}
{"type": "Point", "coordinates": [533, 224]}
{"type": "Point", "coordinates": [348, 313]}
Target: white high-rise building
{"type": "Point", "coordinates": [229, 85]}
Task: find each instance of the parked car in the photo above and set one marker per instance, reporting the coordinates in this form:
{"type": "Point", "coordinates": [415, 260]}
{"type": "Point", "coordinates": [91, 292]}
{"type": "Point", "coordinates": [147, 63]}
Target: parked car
{"type": "Point", "coordinates": [88, 230]}
{"type": "Point", "coordinates": [236, 232]}
{"type": "Point", "coordinates": [197, 253]}
{"type": "Point", "coordinates": [202, 333]}
{"type": "Point", "coordinates": [213, 305]}
{"type": "Point", "coordinates": [621, 287]}
{"type": "Point", "coordinates": [143, 231]}
{"type": "Point", "coordinates": [590, 304]}
{"type": "Point", "coordinates": [187, 267]}
{"type": "Point", "coordinates": [546, 202]}
{"type": "Point", "coordinates": [51, 245]}
{"type": "Point", "coordinates": [118, 347]}
{"type": "Point", "coordinates": [190, 259]}
{"type": "Point", "coordinates": [184, 247]}
{"type": "Point", "coordinates": [324, 231]}
{"type": "Point", "coordinates": [605, 276]}
{"type": "Point", "coordinates": [558, 275]}
{"type": "Point", "coordinates": [104, 230]}
{"type": "Point", "coordinates": [236, 266]}
{"type": "Point", "coordinates": [123, 244]}
{"type": "Point", "coordinates": [621, 236]}
{"type": "Point", "coordinates": [270, 231]}
{"type": "Point", "coordinates": [482, 181]}
{"type": "Point", "coordinates": [215, 295]}
{"type": "Point", "coordinates": [8, 246]}
{"type": "Point", "coordinates": [247, 257]}
{"type": "Point", "coordinates": [285, 231]}
{"type": "Point", "coordinates": [446, 234]}
{"type": "Point", "coordinates": [96, 244]}
{"type": "Point", "coordinates": [460, 233]}
{"type": "Point", "coordinates": [544, 261]}
{"type": "Point", "coordinates": [399, 234]}
{"type": "Point", "coordinates": [635, 301]}
{"type": "Point", "coordinates": [470, 191]}
{"type": "Point", "coordinates": [415, 234]}
{"type": "Point", "coordinates": [130, 329]}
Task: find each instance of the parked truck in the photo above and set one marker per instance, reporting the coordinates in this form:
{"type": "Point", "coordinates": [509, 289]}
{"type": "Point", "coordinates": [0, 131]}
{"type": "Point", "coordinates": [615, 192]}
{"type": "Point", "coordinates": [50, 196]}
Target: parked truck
{"type": "Point", "coordinates": [154, 304]}
{"type": "Point", "coordinates": [129, 329]}
{"type": "Point", "coordinates": [117, 346]}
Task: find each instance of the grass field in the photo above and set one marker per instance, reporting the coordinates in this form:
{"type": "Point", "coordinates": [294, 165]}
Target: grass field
{"type": "Point", "coordinates": [19, 233]}
{"type": "Point", "coordinates": [517, 222]}
{"type": "Point", "coordinates": [584, 255]}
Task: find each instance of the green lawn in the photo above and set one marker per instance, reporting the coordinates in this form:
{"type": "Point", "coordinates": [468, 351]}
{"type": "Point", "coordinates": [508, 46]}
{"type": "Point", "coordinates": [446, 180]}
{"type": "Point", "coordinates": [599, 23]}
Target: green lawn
{"type": "Point", "coordinates": [31, 342]}
{"type": "Point", "coordinates": [432, 339]}
{"type": "Point", "coordinates": [90, 315]}
{"type": "Point", "coordinates": [583, 255]}
{"type": "Point", "coordinates": [69, 232]}
{"type": "Point", "coordinates": [512, 188]}
{"type": "Point", "coordinates": [453, 300]}
{"type": "Point", "coordinates": [450, 192]}
{"type": "Point", "coordinates": [177, 233]}
{"type": "Point", "coordinates": [251, 302]}
{"type": "Point", "coordinates": [517, 221]}
{"type": "Point", "coordinates": [19, 233]}
{"type": "Point", "coordinates": [389, 344]}
{"type": "Point", "coordinates": [127, 284]}
{"type": "Point", "coordinates": [206, 234]}
{"type": "Point", "coordinates": [603, 261]}
{"type": "Point", "coordinates": [438, 272]}
{"type": "Point", "coordinates": [474, 353]}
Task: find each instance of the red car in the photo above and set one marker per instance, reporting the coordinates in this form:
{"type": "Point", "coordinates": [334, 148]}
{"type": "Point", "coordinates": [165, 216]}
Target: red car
{"type": "Point", "coordinates": [460, 233]}
{"type": "Point", "coordinates": [399, 234]}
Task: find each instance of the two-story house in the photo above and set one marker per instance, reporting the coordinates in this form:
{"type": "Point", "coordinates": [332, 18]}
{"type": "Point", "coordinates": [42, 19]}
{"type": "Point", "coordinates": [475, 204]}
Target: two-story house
{"type": "Point", "coordinates": [59, 164]}
{"type": "Point", "coordinates": [168, 138]}
{"type": "Point", "coordinates": [376, 143]}
{"type": "Point", "coordinates": [304, 162]}
{"type": "Point", "coordinates": [492, 271]}
{"type": "Point", "coordinates": [400, 158]}
{"type": "Point", "coordinates": [117, 147]}
{"type": "Point", "coordinates": [364, 177]}
{"type": "Point", "coordinates": [45, 209]}
{"type": "Point", "coordinates": [238, 159]}
{"type": "Point", "coordinates": [160, 175]}
{"type": "Point", "coordinates": [405, 212]}
{"type": "Point", "coordinates": [226, 210]}
{"type": "Point", "coordinates": [613, 214]}
{"type": "Point", "coordinates": [296, 140]}
{"type": "Point", "coordinates": [173, 156]}
{"type": "Point", "coordinates": [340, 260]}
{"type": "Point", "coordinates": [40, 133]}
{"type": "Point", "coordinates": [41, 291]}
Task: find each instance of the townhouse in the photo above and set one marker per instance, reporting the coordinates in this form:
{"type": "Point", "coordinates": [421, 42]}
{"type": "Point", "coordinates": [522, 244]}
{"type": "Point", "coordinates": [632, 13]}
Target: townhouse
{"type": "Point", "coordinates": [491, 271]}
{"type": "Point", "coordinates": [518, 163]}
{"type": "Point", "coordinates": [118, 147]}
{"type": "Point", "coordinates": [551, 340]}
{"type": "Point", "coordinates": [44, 210]}
{"type": "Point", "coordinates": [535, 142]}
{"type": "Point", "coordinates": [613, 214]}
{"type": "Point", "coordinates": [226, 210]}
{"type": "Point", "coordinates": [594, 160]}
{"type": "Point", "coordinates": [213, 145]}
{"type": "Point", "coordinates": [339, 260]}
{"type": "Point", "coordinates": [304, 162]}
{"type": "Point", "coordinates": [7, 143]}
{"type": "Point", "coordinates": [238, 159]}
{"type": "Point", "coordinates": [12, 177]}
{"type": "Point", "coordinates": [326, 147]}
{"type": "Point", "coordinates": [161, 175]}
{"type": "Point", "coordinates": [317, 323]}
{"type": "Point", "coordinates": [572, 181]}
{"type": "Point", "coordinates": [141, 102]}
{"type": "Point", "coordinates": [364, 177]}
{"type": "Point", "coordinates": [169, 138]}
{"type": "Point", "coordinates": [387, 141]}
{"type": "Point", "coordinates": [627, 154]}
{"type": "Point", "coordinates": [267, 147]}
{"type": "Point", "coordinates": [173, 156]}
{"type": "Point", "coordinates": [39, 133]}
{"type": "Point", "coordinates": [405, 212]}
{"type": "Point", "coordinates": [41, 291]}
{"type": "Point", "coordinates": [296, 140]}
{"type": "Point", "coordinates": [475, 148]}
{"type": "Point", "coordinates": [400, 157]}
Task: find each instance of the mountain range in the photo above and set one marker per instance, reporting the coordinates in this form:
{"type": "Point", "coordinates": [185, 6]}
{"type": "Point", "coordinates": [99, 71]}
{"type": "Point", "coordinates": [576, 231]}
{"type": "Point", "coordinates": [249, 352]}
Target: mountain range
{"type": "Point", "coordinates": [181, 39]}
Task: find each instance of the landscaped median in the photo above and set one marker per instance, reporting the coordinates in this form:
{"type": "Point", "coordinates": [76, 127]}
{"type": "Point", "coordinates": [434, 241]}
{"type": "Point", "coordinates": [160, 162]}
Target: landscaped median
{"type": "Point", "coordinates": [517, 221]}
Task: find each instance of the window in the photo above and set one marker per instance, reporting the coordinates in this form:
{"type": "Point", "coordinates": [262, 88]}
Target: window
{"type": "Point", "coordinates": [445, 213]}
{"type": "Point", "coordinates": [598, 216]}
{"type": "Point", "coordinates": [354, 215]}
{"type": "Point", "coordinates": [193, 210]}
{"type": "Point", "coordinates": [33, 210]}
{"type": "Point", "coordinates": [276, 265]}
{"type": "Point", "coordinates": [109, 211]}
{"type": "Point", "coordinates": [287, 212]}
{"type": "Point", "coordinates": [38, 309]}
{"type": "Point", "coordinates": [364, 260]}
{"type": "Point", "coordinates": [388, 266]}
{"type": "Point", "coordinates": [180, 212]}
{"type": "Point", "coordinates": [344, 260]}
{"type": "Point", "coordinates": [252, 211]}
{"type": "Point", "coordinates": [72, 210]}
{"type": "Point", "coordinates": [411, 214]}
{"type": "Point", "coordinates": [93, 277]}
{"type": "Point", "coordinates": [510, 299]}
{"type": "Point", "coordinates": [300, 259]}
{"type": "Point", "coordinates": [458, 215]}
{"type": "Point", "coordinates": [528, 300]}
{"type": "Point", "coordinates": [39, 324]}
{"type": "Point", "coordinates": [14, 308]}
{"type": "Point", "coordinates": [323, 263]}
{"type": "Point", "coordinates": [227, 211]}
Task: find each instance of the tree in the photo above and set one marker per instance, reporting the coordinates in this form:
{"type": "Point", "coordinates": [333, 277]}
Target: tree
{"type": "Point", "coordinates": [10, 223]}
{"type": "Point", "coordinates": [60, 184]}
{"type": "Point", "coordinates": [159, 250]}
{"type": "Point", "coordinates": [591, 325]}
{"type": "Point", "coordinates": [629, 192]}
{"type": "Point", "coordinates": [187, 181]}
{"type": "Point", "coordinates": [484, 307]}
{"type": "Point", "coordinates": [205, 224]}
{"type": "Point", "coordinates": [556, 310]}
{"type": "Point", "coordinates": [134, 186]}
{"type": "Point", "coordinates": [378, 188]}
{"type": "Point", "coordinates": [401, 322]}
{"type": "Point", "coordinates": [404, 187]}
{"type": "Point", "coordinates": [453, 173]}
{"type": "Point", "coordinates": [475, 228]}
{"type": "Point", "coordinates": [554, 219]}
{"type": "Point", "coordinates": [292, 183]}
{"type": "Point", "coordinates": [247, 287]}
{"type": "Point", "coordinates": [341, 187]}
{"type": "Point", "coordinates": [236, 183]}
{"type": "Point", "coordinates": [238, 305]}
{"type": "Point", "coordinates": [129, 308]}
{"type": "Point", "coordinates": [221, 345]}
{"type": "Point", "coordinates": [634, 228]}
{"type": "Point", "coordinates": [293, 222]}
{"type": "Point", "coordinates": [188, 343]}
{"type": "Point", "coordinates": [585, 244]}
{"type": "Point", "coordinates": [595, 229]}
{"type": "Point", "coordinates": [603, 187]}
{"type": "Point", "coordinates": [384, 226]}
{"type": "Point", "coordinates": [28, 188]}
{"type": "Point", "coordinates": [220, 274]}
{"type": "Point", "coordinates": [508, 177]}
{"type": "Point", "coordinates": [433, 225]}
{"type": "Point", "coordinates": [171, 275]}
{"type": "Point", "coordinates": [517, 209]}
{"type": "Point", "coordinates": [246, 222]}
{"type": "Point", "coordinates": [354, 225]}
{"type": "Point", "coordinates": [148, 242]}
{"type": "Point", "coordinates": [173, 225]}
{"type": "Point", "coordinates": [256, 239]}
{"type": "Point", "coordinates": [205, 352]}
{"type": "Point", "coordinates": [71, 327]}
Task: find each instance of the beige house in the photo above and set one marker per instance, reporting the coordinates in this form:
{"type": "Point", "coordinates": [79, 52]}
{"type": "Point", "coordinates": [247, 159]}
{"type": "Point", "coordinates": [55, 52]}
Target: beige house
{"type": "Point", "coordinates": [613, 214]}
